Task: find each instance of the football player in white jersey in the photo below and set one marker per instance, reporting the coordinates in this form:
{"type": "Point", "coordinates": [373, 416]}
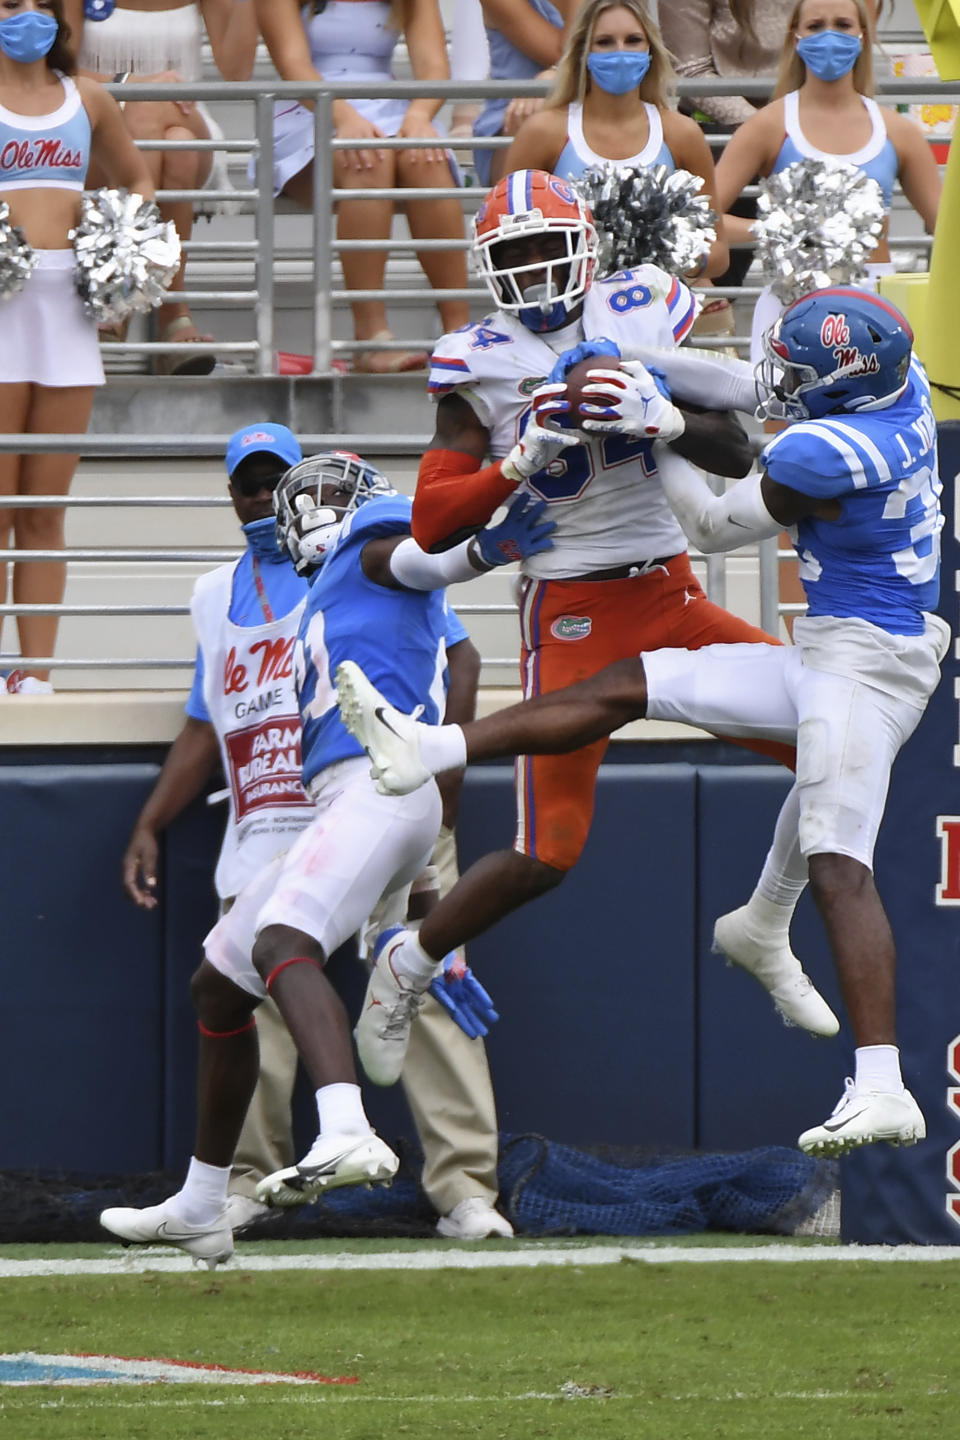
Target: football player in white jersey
{"type": "Point", "coordinates": [618, 579]}
{"type": "Point", "coordinates": [372, 591]}
{"type": "Point", "coordinates": [856, 475]}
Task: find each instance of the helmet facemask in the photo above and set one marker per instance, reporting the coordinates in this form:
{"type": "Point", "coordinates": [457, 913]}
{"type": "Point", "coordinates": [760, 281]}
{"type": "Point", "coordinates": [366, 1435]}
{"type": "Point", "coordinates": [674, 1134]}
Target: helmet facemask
{"type": "Point", "coordinates": [314, 499]}
{"type": "Point", "coordinates": [563, 279]}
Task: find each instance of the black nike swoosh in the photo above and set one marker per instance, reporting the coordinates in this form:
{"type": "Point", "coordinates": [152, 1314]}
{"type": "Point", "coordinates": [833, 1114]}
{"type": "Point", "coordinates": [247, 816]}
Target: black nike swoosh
{"type": "Point", "coordinates": [384, 721]}
{"type": "Point", "coordinates": [168, 1233]}
{"type": "Point", "coordinates": [845, 1121]}
{"type": "Point", "coordinates": [739, 523]}
{"type": "Point", "coordinates": [310, 1172]}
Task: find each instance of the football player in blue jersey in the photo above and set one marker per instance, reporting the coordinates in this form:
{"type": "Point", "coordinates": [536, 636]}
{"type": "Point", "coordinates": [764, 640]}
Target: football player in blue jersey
{"type": "Point", "coordinates": [374, 594]}
{"type": "Point", "coordinates": [854, 478]}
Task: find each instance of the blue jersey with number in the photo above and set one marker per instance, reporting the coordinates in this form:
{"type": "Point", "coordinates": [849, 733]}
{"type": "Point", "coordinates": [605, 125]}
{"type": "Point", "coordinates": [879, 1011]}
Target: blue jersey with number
{"type": "Point", "coordinates": [880, 561]}
{"type": "Point", "coordinates": [398, 637]}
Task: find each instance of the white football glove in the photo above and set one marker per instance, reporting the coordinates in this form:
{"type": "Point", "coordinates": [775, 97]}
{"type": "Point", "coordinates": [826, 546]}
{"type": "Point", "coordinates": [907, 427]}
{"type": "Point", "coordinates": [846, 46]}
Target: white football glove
{"type": "Point", "coordinates": [543, 439]}
{"type": "Point", "coordinates": [628, 401]}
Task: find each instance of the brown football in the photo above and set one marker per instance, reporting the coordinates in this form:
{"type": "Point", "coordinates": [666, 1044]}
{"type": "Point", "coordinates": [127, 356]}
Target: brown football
{"type": "Point", "coordinates": [578, 377]}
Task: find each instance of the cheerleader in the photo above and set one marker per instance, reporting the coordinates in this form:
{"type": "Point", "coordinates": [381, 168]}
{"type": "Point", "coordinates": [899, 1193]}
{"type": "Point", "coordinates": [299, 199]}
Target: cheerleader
{"type": "Point", "coordinates": [822, 109]}
{"type": "Point", "coordinates": [51, 126]}
{"type": "Point", "coordinates": [162, 40]}
{"type": "Point", "coordinates": [609, 106]}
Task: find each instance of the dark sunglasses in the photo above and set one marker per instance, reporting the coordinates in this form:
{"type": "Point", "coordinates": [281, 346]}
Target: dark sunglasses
{"type": "Point", "coordinates": [249, 485]}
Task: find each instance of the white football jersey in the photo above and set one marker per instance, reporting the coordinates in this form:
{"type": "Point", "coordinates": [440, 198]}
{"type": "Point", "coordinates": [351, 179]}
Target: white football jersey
{"type": "Point", "coordinates": [605, 495]}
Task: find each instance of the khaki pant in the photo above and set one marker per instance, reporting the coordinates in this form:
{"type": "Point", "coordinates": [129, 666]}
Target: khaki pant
{"type": "Point", "coordinates": [447, 1084]}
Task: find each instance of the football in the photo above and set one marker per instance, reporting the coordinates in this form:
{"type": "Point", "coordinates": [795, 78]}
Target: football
{"type": "Point", "coordinates": [578, 377]}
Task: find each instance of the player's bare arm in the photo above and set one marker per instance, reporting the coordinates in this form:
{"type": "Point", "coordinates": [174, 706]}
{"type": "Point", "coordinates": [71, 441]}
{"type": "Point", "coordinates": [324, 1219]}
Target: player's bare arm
{"type": "Point", "coordinates": [788, 506]}
{"type": "Point", "coordinates": [715, 440]}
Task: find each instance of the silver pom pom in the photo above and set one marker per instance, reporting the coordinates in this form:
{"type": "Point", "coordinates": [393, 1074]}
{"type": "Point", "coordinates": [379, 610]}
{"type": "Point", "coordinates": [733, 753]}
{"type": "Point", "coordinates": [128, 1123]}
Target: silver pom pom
{"type": "Point", "coordinates": [818, 223]}
{"type": "Point", "coordinates": [648, 216]}
{"type": "Point", "coordinates": [126, 255]}
{"type": "Point", "coordinates": [16, 257]}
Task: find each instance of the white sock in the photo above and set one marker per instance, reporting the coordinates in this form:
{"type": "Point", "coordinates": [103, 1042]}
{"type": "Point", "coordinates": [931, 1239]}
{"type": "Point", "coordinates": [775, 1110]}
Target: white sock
{"type": "Point", "coordinates": [340, 1110]}
{"type": "Point", "coordinates": [878, 1068]}
{"type": "Point", "coordinates": [204, 1193]}
{"type": "Point", "coordinates": [442, 747]}
{"type": "Point", "coordinates": [411, 961]}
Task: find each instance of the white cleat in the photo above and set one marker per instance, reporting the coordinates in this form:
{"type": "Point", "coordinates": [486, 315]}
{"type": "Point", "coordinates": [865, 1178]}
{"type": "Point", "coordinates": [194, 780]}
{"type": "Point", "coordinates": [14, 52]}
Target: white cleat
{"type": "Point", "coordinates": [390, 1006]}
{"type": "Point", "coordinates": [474, 1219]}
{"type": "Point", "coordinates": [388, 736]}
{"type": "Point", "coordinates": [160, 1225]}
{"type": "Point", "coordinates": [863, 1117]}
{"type": "Point", "coordinates": [244, 1211]}
{"type": "Point", "coordinates": [773, 963]}
{"type": "Point", "coordinates": [333, 1161]}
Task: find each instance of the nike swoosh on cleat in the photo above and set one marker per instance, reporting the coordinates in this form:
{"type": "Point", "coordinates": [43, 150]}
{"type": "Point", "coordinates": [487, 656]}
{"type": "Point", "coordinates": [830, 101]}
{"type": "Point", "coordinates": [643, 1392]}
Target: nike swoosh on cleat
{"type": "Point", "coordinates": [385, 722]}
{"type": "Point", "coordinates": [845, 1121]}
{"type": "Point", "coordinates": [164, 1229]}
{"type": "Point", "coordinates": [312, 1172]}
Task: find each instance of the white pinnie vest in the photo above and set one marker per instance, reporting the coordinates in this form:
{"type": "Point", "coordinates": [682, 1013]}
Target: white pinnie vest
{"type": "Point", "coordinates": [250, 697]}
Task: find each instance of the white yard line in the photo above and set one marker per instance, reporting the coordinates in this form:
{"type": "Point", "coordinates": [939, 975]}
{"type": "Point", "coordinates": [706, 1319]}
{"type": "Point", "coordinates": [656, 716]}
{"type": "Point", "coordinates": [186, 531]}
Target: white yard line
{"type": "Point", "coordinates": [156, 1259]}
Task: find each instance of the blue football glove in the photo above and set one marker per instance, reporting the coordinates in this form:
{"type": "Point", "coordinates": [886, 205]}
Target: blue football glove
{"type": "Point", "coordinates": [463, 997]}
{"type": "Point", "coordinates": [586, 350]}
{"type": "Point", "coordinates": [520, 533]}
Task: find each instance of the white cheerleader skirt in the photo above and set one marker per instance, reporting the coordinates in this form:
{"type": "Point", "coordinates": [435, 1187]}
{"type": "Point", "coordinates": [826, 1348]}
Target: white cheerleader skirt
{"type": "Point", "coordinates": [768, 307]}
{"type": "Point", "coordinates": [47, 337]}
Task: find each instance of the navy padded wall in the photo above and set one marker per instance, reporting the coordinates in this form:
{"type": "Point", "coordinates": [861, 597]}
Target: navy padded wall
{"type": "Point", "coordinates": [759, 1082]}
{"type": "Point", "coordinates": [81, 1020]}
{"type": "Point", "coordinates": [594, 982]}
{"type": "Point", "coordinates": [913, 1195]}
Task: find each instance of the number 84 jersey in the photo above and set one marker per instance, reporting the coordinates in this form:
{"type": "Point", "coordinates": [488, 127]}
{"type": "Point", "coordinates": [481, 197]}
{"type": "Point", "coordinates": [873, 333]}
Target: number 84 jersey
{"type": "Point", "coordinates": [604, 495]}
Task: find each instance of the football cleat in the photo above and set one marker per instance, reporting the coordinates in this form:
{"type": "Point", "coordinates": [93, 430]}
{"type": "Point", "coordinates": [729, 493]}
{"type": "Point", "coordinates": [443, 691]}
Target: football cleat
{"type": "Point", "coordinates": [160, 1225]}
{"type": "Point", "coordinates": [390, 1007]}
{"type": "Point", "coordinates": [863, 1117]}
{"type": "Point", "coordinates": [244, 1211]}
{"type": "Point", "coordinates": [388, 736]}
{"type": "Point", "coordinates": [333, 1161]}
{"type": "Point", "coordinates": [773, 963]}
{"type": "Point", "coordinates": [474, 1219]}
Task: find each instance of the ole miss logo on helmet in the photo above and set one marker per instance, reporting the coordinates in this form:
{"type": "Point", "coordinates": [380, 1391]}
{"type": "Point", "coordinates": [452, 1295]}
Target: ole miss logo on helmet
{"type": "Point", "coordinates": [835, 336]}
{"type": "Point", "coordinates": [45, 153]}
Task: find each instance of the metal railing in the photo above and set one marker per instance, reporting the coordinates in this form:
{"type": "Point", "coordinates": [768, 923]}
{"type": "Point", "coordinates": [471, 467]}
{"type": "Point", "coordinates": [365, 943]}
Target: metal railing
{"type": "Point", "coordinates": [267, 260]}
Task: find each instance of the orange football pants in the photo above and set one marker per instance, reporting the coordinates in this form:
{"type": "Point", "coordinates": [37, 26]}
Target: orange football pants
{"type": "Point", "coordinates": [570, 629]}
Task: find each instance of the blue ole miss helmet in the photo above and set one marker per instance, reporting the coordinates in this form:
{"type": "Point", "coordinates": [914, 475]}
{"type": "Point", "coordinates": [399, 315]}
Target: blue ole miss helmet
{"type": "Point", "coordinates": [833, 351]}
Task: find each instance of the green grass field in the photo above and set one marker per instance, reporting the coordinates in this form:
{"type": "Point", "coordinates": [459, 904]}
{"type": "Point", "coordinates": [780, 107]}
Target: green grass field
{"type": "Point", "coordinates": [826, 1348]}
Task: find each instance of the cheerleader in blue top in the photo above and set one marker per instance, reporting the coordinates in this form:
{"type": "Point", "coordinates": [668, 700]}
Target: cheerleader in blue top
{"type": "Point", "coordinates": [822, 109]}
{"type": "Point", "coordinates": [50, 126]}
{"type": "Point", "coordinates": [609, 106]}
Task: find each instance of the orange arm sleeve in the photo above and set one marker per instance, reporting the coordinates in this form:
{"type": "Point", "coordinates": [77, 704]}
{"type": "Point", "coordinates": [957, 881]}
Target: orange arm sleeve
{"type": "Point", "coordinates": [454, 494]}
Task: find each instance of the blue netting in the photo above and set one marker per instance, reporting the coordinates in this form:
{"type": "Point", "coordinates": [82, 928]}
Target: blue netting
{"type": "Point", "coordinates": [545, 1188]}
{"type": "Point", "coordinates": [553, 1189]}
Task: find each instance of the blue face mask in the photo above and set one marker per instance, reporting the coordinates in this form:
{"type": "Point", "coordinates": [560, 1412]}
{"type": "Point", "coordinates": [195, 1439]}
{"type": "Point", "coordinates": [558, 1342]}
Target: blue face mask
{"type": "Point", "coordinates": [829, 54]}
{"type": "Point", "coordinates": [28, 36]}
{"type": "Point", "coordinates": [262, 540]}
{"type": "Point", "coordinates": [619, 71]}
